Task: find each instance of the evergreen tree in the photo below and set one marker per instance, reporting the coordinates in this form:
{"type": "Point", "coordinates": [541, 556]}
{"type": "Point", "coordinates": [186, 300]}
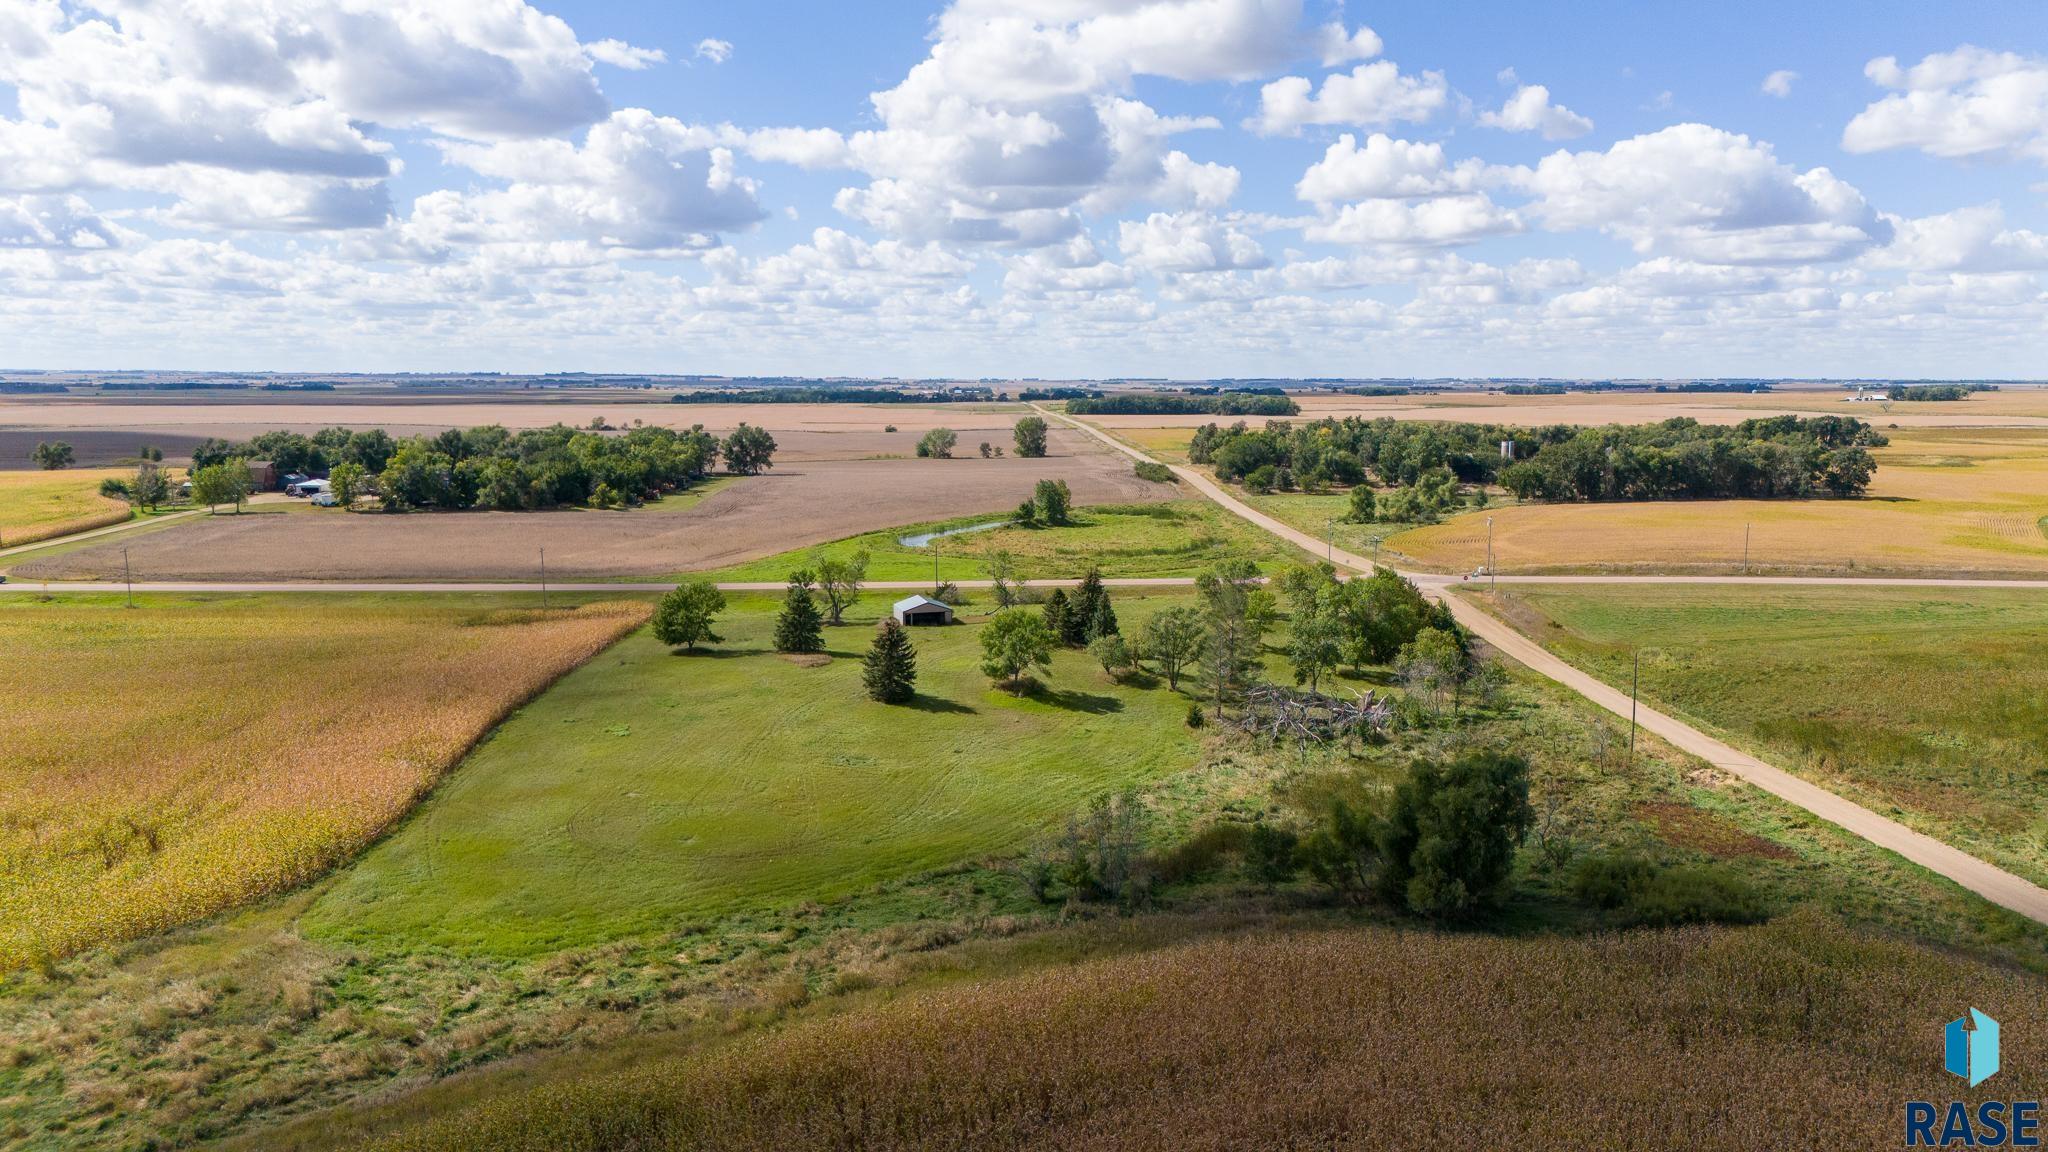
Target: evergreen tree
{"type": "Point", "coordinates": [1057, 610]}
{"type": "Point", "coordinates": [1082, 611]}
{"type": "Point", "coordinates": [890, 671]}
{"type": "Point", "coordinates": [1103, 622]}
{"type": "Point", "coordinates": [799, 628]}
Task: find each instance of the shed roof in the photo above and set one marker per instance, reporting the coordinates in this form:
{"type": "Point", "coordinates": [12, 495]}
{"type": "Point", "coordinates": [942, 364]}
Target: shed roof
{"type": "Point", "coordinates": [920, 601]}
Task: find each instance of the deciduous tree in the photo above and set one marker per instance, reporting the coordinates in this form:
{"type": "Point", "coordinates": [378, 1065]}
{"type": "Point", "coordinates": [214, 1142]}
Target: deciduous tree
{"type": "Point", "coordinates": [1013, 642]}
{"type": "Point", "coordinates": [1030, 436]}
{"type": "Point", "coordinates": [685, 615]}
{"type": "Point", "coordinates": [749, 450]}
{"type": "Point", "coordinates": [51, 455]}
{"type": "Point", "coordinates": [839, 582]}
{"type": "Point", "coordinates": [1173, 640]}
{"type": "Point", "coordinates": [1449, 839]}
{"type": "Point", "coordinates": [221, 484]}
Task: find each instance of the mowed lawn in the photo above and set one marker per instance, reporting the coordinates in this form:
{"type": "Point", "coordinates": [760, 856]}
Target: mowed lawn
{"type": "Point", "coordinates": [1944, 501]}
{"type": "Point", "coordinates": [651, 788]}
{"type": "Point", "coordinates": [38, 505]}
{"type": "Point", "coordinates": [1177, 538]}
{"type": "Point", "coordinates": [1928, 705]}
{"type": "Point", "coordinates": [163, 763]}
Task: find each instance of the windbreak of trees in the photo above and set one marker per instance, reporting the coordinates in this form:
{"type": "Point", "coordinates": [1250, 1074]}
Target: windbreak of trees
{"type": "Point", "coordinates": [492, 467]}
{"type": "Point", "coordinates": [1775, 457]}
{"type": "Point", "coordinates": [1938, 391]}
{"type": "Point", "coordinates": [1185, 404]}
{"type": "Point", "coordinates": [826, 395]}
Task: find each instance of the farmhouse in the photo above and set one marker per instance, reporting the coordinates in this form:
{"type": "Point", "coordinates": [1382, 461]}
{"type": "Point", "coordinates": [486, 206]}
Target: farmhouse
{"type": "Point", "coordinates": [914, 610]}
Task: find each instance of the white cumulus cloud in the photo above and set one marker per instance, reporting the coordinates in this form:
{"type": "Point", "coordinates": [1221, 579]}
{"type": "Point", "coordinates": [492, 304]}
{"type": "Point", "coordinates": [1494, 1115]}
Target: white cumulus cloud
{"type": "Point", "coordinates": [1969, 102]}
{"type": "Point", "coordinates": [1530, 110]}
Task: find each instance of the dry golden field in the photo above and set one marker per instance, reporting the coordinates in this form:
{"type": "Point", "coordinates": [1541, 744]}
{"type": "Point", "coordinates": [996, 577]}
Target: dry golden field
{"type": "Point", "coordinates": [160, 764]}
{"type": "Point", "coordinates": [1799, 1034]}
{"type": "Point", "coordinates": [39, 505]}
{"type": "Point", "coordinates": [1945, 501]}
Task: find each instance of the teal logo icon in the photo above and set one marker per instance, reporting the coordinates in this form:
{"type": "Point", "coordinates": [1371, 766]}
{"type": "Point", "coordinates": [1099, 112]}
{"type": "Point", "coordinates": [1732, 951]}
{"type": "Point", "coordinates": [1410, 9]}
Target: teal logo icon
{"type": "Point", "coordinates": [1971, 1049]}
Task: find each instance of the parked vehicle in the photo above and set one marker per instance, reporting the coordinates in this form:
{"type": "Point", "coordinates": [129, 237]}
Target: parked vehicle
{"type": "Point", "coordinates": [325, 500]}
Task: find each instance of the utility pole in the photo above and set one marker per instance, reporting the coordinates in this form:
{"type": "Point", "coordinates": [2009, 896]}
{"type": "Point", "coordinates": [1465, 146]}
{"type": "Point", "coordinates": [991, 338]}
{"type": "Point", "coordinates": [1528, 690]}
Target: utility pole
{"type": "Point", "coordinates": [1491, 584]}
{"type": "Point", "coordinates": [128, 577]}
{"type": "Point", "coordinates": [543, 579]}
{"type": "Point", "coordinates": [1330, 538]}
{"type": "Point", "coordinates": [935, 567]}
{"type": "Point", "coordinates": [1745, 549]}
{"type": "Point", "coordinates": [1633, 677]}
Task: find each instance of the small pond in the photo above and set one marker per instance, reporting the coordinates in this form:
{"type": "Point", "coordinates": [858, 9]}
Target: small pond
{"type": "Point", "coordinates": [924, 539]}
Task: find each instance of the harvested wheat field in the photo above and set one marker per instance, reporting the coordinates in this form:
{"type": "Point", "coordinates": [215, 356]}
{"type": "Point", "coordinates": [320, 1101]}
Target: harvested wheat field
{"type": "Point", "coordinates": [1944, 502]}
{"type": "Point", "coordinates": [39, 505]}
{"type": "Point", "coordinates": [1801, 1034]}
{"type": "Point", "coordinates": [161, 764]}
{"type": "Point", "coordinates": [794, 505]}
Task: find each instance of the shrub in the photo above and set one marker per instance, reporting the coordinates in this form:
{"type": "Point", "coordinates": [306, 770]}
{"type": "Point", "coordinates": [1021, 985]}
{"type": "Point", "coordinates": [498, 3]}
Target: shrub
{"type": "Point", "coordinates": [114, 488]}
{"type": "Point", "coordinates": [938, 444]}
{"type": "Point", "coordinates": [1608, 881]}
{"type": "Point", "coordinates": [1195, 717]}
{"type": "Point", "coordinates": [1199, 855]}
{"type": "Point", "coordinates": [1696, 894]}
{"type": "Point", "coordinates": [1642, 893]}
{"type": "Point", "coordinates": [1449, 839]}
{"type": "Point", "coordinates": [1154, 471]}
{"type": "Point", "coordinates": [1271, 855]}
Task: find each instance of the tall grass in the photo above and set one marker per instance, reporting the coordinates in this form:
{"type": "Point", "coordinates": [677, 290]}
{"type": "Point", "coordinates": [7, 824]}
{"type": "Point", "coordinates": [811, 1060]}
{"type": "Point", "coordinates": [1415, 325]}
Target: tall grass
{"type": "Point", "coordinates": [162, 764]}
{"type": "Point", "coordinates": [1800, 1034]}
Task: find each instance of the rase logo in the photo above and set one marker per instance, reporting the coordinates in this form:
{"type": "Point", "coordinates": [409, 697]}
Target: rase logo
{"type": "Point", "coordinates": [1970, 1053]}
{"type": "Point", "coordinates": [1971, 1048]}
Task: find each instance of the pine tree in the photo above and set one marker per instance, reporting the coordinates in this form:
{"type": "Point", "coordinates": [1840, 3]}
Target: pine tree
{"type": "Point", "coordinates": [1056, 612]}
{"type": "Point", "coordinates": [1103, 623]}
{"type": "Point", "coordinates": [1087, 604]}
{"type": "Point", "coordinates": [799, 628]}
{"type": "Point", "coordinates": [890, 671]}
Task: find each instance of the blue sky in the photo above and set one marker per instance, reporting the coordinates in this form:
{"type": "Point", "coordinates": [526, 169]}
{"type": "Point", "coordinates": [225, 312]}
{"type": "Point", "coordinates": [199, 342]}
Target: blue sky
{"type": "Point", "coordinates": [1043, 188]}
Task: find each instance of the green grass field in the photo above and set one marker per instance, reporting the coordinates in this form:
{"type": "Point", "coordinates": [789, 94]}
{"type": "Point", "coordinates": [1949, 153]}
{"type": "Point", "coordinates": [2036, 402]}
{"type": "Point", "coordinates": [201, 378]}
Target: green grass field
{"type": "Point", "coordinates": [1176, 538]}
{"type": "Point", "coordinates": [1928, 705]}
{"type": "Point", "coordinates": [649, 788]}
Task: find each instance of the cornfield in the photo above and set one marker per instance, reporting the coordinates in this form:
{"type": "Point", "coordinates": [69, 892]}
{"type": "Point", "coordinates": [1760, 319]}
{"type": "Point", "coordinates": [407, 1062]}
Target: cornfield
{"type": "Point", "coordinates": [1803, 1033]}
{"type": "Point", "coordinates": [160, 765]}
{"type": "Point", "coordinates": [36, 506]}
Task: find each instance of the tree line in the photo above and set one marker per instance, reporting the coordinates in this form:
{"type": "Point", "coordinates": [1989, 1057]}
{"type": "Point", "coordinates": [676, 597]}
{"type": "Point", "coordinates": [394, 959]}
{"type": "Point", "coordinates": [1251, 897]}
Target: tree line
{"type": "Point", "coordinates": [491, 467]}
{"type": "Point", "coordinates": [1769, 458]}
{"type": "Point", "coordinates": [1184, 404]}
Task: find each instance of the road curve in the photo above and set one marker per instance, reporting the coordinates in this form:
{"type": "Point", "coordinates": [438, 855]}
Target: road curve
{"type": "Point", "coordinates": [1987, 880]}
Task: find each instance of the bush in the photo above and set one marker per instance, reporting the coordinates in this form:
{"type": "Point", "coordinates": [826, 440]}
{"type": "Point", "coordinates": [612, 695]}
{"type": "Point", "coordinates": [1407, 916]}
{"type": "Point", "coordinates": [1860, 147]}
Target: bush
{"type": "Point", "coordinates": [1154, 471]}
{"type": "Point", "coordinates": [1696, 894]}
{"type": "Point", "coordinates": [1448, 843]}
{"type": "Point", "coordinates": [1642, 893]}
{"type": "Point", "coordinates": [114, 487]}
{"type": "Point", "coordinates": [1195, 717]}
{"type": "Point", "coordinates": [1609, 881]}
{"type": "Point", "coordinates": [1271, 855]}
{"type": "Point", "coordinates": [1199, 855]}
